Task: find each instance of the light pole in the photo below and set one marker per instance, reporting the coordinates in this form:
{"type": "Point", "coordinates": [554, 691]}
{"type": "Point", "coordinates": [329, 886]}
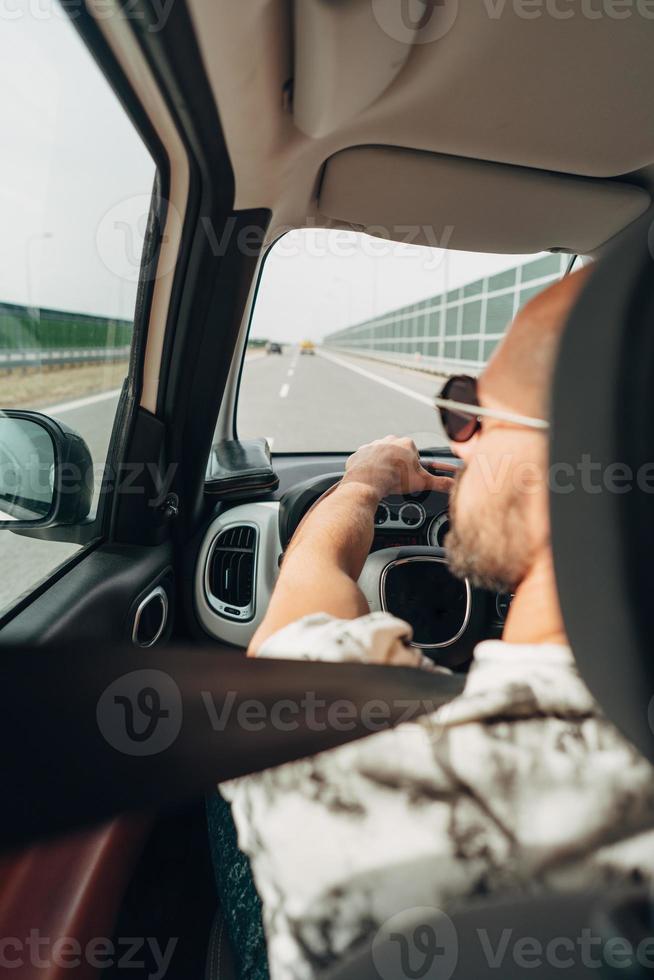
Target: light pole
{"type": "Point", "coordinates": [375, 287]}
{"type": "Point", "coordinates": [36, 237]}
{"type": "Point", "coordinates": [341, 281]}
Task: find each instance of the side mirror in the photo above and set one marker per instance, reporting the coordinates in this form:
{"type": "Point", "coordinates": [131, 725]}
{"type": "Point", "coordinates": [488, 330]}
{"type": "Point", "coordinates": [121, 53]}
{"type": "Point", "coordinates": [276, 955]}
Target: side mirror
{"type": "Point", "coordinates": [46, 472]}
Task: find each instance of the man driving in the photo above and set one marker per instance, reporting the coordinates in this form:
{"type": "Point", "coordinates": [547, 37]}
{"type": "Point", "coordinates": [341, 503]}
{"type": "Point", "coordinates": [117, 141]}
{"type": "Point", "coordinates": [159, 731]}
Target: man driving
{"type": "Point", "coordinates": [517, 785]}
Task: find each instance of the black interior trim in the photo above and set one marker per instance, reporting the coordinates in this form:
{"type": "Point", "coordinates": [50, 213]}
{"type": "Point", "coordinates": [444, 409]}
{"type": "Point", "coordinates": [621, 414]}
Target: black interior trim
{"type": "Point", "coordinates": [141, 516]}
{"type": "Point", "coordinates": [82, 758]}
{"type": "Point", "coordinates": [212, 311]}
{"type": "Point", "coordinates": [601, 539]}
{"type": "Point", "coordinates": [90, 604]}
{"type": "Point", "coordinates": [211, 314]}
{"type": "Point", "coordinates": [238, 468]}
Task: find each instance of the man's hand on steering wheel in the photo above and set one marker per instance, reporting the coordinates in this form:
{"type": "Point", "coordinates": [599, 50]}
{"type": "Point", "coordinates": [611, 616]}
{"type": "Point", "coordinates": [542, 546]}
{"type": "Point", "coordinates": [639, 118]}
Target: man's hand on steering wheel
{"type": "Point", "coordinates": [392, 466]}
{"type": "Point", "coordinates": [329, 547]}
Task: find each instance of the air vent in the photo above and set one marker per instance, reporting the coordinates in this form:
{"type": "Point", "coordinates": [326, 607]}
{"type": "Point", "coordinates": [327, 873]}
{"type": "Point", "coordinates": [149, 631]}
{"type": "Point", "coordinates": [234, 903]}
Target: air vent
{"type": "Point", "coordinates": [231, 572]}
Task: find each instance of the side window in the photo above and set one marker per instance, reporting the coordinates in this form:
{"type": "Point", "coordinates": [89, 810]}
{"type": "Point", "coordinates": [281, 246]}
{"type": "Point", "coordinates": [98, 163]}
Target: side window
{"type": "Point", "coordinates": [75, 185]}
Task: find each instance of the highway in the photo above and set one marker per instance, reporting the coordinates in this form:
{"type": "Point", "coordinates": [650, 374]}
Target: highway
{"type": "Point", "coordinates": [334, 402]}
{"type": "Point", "coordinates": [326, 402]}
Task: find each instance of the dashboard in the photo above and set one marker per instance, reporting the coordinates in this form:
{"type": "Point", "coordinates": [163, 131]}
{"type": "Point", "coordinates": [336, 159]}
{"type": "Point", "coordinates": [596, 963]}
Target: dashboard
{"type": "Point", "coordinates": [238, 560]}
{"type": "Point", "coordinates": [403, 523]}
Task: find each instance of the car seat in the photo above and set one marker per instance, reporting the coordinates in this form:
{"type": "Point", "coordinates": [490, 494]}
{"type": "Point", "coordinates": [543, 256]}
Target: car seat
{"type": "Point", "coordinates": [602, 543]}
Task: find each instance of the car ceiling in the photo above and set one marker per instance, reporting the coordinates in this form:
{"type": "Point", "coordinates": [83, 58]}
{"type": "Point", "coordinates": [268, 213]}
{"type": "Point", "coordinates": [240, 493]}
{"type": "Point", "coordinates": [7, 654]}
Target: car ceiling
{"type": "Point", "coordinates": [561, 94]}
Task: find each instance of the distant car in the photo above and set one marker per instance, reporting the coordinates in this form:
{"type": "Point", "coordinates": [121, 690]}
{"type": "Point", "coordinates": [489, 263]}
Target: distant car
{"type": "Point", "coordinates": [273, 348]}
{"type": "Point", "coordinates": [307, 347]}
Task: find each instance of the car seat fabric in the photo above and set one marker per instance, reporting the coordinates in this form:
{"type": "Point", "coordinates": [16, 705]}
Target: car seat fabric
{"type": "Point", "coordinates": [602, 503]}
{"type": "Point", "coordinates": [239, 900]}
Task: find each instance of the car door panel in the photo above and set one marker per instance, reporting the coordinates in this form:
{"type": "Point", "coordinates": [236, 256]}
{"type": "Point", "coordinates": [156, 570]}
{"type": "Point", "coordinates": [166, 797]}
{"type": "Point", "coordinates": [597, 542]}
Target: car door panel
{"type": "Point", "coordinates": [66, 894]}
{"type": "Point", "coordinates": [95, 599]}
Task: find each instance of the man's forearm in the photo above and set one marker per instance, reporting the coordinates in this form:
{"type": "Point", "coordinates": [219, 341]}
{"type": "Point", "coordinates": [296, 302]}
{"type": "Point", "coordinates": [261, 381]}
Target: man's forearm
{"type": "Point", "coordinates": [324, 560]}
{"type": "Point", "coordinates": [328, 551]}
{"type": "Point", "coordinates": [341, 526]}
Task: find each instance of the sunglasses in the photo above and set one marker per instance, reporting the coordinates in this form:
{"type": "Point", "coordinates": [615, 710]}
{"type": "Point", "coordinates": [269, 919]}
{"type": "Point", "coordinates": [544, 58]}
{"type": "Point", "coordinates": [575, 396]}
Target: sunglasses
{"type": "Point", "coordinates": [461, 414]}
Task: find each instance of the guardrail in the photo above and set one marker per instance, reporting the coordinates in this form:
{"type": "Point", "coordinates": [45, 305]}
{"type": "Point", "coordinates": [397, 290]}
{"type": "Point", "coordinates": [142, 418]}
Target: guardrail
{"type": "Point", "coordinates": [13, 360]}
{"type": "Point", "coordinates": [417, 362]}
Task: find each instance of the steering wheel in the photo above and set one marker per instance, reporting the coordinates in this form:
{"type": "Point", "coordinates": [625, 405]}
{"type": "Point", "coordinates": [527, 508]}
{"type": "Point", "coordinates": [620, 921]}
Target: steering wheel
{"type": "Point", "coordinates": [449, 617]}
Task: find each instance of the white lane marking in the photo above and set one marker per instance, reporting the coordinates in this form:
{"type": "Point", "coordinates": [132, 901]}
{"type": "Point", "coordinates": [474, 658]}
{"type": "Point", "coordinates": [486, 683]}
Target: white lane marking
{"type": "Point", "coordinates": [423, 399]}
{"type": "Point", "coordinates": [284, 391]}
{"type": "Point", "coordinates": [80, 402]}
{"type": "Point", "coordinates": [290, 373]}
{"type": "Point", "coordinates": [271, 441]}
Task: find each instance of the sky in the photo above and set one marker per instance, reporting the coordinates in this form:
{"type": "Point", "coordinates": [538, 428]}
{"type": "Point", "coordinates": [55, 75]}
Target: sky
{"type": "Point", "coordinates": [73, 172]}
{"type": "Point", "coordinates": [315, 281]}
{"type": "Point", "coordinates": [75, 185]}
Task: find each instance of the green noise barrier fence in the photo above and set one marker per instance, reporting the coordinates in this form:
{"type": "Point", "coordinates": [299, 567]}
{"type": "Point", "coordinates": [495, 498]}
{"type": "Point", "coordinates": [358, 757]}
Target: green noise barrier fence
{"type": "Point", "coordinates": [36, 337]}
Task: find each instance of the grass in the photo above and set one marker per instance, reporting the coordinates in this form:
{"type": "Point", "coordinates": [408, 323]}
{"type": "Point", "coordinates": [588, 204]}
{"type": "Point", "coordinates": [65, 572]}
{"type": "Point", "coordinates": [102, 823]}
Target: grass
{"type": "Point", "coordinates": [43, 386]}
{"type": "Point", "coordinates": [36, 388]}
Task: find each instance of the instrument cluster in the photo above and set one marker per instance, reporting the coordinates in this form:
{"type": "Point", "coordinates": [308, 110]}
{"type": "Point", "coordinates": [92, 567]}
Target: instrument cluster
{"type": "Point", "coordinates": [399, 523]}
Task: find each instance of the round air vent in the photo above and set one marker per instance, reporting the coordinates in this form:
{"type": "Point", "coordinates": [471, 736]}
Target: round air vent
{"type": "Point", "coordinates": [150, 618]}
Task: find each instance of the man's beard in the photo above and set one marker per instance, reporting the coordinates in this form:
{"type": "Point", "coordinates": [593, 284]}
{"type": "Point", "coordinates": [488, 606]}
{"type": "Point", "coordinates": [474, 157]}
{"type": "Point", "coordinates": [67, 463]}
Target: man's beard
{"type": "Point", "coordinates": [490, 546]}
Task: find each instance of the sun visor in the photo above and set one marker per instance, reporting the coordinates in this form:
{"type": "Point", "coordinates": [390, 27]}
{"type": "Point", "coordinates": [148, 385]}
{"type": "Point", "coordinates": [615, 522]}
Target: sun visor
{"type": "Point", "coordinates": [471, 205]}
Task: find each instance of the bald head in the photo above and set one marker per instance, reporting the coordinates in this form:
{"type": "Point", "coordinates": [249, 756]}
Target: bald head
{"type": "Point", "coordinates": [519, 375]}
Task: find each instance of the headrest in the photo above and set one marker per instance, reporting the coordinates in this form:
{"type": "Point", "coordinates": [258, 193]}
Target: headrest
{"type": "Point", "coordinates": [602, 483]}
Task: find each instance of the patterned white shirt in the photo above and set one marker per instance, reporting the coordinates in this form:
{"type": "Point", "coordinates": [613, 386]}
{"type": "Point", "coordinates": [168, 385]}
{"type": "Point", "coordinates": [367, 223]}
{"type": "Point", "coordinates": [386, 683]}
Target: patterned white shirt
{"type": "Point", "coordinates": [516, 786]}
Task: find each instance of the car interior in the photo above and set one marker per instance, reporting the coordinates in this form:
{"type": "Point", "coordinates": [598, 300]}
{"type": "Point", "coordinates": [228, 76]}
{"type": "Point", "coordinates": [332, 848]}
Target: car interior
{"type": "Point", "coordinates": [494, 129]}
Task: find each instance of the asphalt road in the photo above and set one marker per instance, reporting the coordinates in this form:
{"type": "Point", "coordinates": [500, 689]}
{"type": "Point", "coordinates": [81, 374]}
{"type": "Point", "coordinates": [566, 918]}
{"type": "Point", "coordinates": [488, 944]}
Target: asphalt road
{"type": "Point", "coordinates": [330, 402]}
{"type": "Point", "coordinates": [323, 402]}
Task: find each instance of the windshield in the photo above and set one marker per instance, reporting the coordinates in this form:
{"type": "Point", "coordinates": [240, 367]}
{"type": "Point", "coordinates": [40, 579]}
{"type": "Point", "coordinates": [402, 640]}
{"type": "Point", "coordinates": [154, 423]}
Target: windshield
{"type": "Point", "coordinates": [351, 336]}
